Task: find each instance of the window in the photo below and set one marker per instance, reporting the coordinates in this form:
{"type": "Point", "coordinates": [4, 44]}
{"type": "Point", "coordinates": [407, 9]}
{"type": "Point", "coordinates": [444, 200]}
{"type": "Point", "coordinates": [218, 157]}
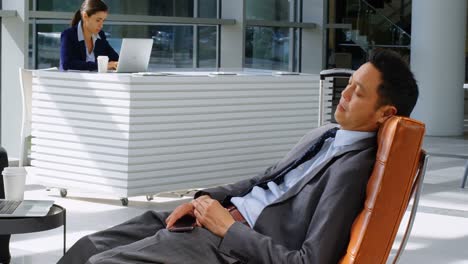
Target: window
{"type": "Point", "coordinates": [182, 44]}
{"type": "Point", "coordinates": [272, 34]}
{"type": "Point", "coordinates": [273, 10]}
{"type": "Point", "coordinates": [186, 33]}
{"type": "Point", "coordinates": [172, 48]}
{"type": "Point", "coordinates": [267, 48]}
{"type": "Point", "coordinates": [207, 43]}
{"type": "Point", "coordinates": [181, 8]}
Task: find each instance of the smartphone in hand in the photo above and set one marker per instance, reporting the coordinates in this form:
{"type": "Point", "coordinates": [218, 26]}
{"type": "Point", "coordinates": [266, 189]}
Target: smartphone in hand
{"type": "Point", "coordinates": [184, 224]}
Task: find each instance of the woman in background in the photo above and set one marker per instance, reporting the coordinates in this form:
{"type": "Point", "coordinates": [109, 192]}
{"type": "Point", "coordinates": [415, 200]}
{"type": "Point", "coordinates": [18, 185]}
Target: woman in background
{"type": "Point", "coordinates": [84, 41]}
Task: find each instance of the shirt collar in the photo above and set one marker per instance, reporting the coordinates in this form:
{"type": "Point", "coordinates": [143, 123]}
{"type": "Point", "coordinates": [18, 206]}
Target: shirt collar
{"type": "Point", "coordinates": [81, 35]}
{"type": "Point", "coordinates": [348, 137]}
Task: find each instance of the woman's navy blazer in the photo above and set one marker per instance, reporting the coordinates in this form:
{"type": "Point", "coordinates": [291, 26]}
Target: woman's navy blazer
{"type": "Point", "coordinates": [73, 52]}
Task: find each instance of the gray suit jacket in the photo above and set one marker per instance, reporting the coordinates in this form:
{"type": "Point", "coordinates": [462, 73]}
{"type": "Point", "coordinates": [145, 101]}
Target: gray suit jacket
{"type": "Point", "coordinates": [311, 222]}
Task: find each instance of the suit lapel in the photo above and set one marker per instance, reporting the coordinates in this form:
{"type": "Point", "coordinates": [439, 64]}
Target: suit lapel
{"type": "Point", "coordinates": [298, 151]}
{"type": "Point", "coordinates": [98, 47]}
{"type": "Point", "coordinates": [82, 49]}
{"type": "Point", "coordinates": [363, 144]}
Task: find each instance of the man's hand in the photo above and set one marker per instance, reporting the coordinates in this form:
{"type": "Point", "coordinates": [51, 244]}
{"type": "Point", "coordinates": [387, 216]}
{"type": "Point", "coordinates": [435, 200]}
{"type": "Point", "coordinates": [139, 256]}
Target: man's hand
{"type": "Point", "coordinates": [213, 216]}
{"type": "Point", "coordinates": [181, 210]}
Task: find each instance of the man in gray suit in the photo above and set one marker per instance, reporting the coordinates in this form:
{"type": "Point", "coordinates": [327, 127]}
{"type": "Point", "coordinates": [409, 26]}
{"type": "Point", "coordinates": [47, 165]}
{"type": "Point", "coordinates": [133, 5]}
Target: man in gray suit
{"type": "Point", "coordinates": [298, 211]}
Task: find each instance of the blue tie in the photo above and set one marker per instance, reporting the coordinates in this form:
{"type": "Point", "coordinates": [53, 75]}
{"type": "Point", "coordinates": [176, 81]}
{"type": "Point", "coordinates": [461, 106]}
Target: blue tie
{"type": "Point", "coordinates": [310, 153]}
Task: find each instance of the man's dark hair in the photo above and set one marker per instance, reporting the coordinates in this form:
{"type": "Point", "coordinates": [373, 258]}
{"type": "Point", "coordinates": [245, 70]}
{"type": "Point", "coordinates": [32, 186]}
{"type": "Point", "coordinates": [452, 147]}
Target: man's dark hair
{"type": "Point", "coordinates": [398, 88]}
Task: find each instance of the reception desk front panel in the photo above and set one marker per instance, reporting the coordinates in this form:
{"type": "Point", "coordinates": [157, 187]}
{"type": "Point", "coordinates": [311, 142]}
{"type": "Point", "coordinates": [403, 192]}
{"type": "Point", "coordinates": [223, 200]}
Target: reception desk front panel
{"type": "Point", "coordinates": [130, 135]}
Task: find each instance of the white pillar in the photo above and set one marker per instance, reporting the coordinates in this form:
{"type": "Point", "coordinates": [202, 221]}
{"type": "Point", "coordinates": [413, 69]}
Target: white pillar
{"type": "Point", "coordinates": [14, 55]}
{"type": "Point", "coordinates": [438, 62]}
{"type": "Point", "coordinates": [232, 48]}
{"type": "Point", "coordinates": [312, 45]}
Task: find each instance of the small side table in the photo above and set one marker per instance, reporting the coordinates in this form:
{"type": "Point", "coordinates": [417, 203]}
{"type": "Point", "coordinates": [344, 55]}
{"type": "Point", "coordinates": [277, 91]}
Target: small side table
{"type": "Point", "coordinates": [20, 225]}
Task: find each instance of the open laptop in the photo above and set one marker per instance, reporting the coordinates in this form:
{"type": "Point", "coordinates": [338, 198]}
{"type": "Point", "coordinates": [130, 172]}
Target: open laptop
{"type": "Point", "coordinates": [26, 208]}
{"type": "Point", "coordinates": [134, 55]}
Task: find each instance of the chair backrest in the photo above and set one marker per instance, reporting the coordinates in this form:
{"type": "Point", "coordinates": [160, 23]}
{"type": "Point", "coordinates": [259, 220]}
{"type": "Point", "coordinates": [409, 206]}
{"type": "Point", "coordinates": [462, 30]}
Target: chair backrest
{"type": "Point", "coordinates": [26, 100]}
{"type": "Point", "coordinates": [388, 191]}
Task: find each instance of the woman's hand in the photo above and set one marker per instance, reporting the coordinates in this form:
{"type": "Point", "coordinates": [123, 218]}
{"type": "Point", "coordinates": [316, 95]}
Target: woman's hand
{"type": "Point", "coordinates": [112, 65]}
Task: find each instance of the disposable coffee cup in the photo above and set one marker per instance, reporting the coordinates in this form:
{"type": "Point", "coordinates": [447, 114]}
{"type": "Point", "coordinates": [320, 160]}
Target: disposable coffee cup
{"type": "Point", "coordinates": [102, 63]}
{"type": "Point", "coordinates": [14, 179]}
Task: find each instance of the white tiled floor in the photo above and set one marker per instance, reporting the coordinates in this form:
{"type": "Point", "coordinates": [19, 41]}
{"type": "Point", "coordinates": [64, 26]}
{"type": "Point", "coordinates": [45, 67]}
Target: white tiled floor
{"type": "Point", "coordinates": [440, 232]}
{"type": "Point", "coordinates": [86, 213]}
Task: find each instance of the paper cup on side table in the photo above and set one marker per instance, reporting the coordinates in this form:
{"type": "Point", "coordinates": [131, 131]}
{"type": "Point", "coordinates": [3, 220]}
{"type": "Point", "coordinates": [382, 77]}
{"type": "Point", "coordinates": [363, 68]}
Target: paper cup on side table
{"type": "Point", "coordinates": [14, 179]}
{"type": "Point", "coordinates": [102, 62]}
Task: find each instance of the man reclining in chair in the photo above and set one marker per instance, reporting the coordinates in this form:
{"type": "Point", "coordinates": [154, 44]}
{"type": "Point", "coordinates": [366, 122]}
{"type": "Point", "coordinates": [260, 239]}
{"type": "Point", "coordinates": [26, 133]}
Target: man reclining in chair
{"type": "Point", "coordinates": [298, 211]}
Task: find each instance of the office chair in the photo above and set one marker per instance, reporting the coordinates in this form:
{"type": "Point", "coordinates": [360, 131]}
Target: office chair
{"type": "Point", "coordinates": [398, 174]}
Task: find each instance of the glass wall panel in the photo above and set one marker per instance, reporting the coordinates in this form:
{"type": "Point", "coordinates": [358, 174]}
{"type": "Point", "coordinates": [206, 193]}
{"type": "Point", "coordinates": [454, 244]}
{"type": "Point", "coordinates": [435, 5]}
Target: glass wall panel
{"type": "Point", "coordinates": [368, 29]}
{"type": "Point", "coordinates": [48, 46]}
{"type": "Point", "coordinates": [273, 10]}
{"type": "Point", "coordinates": [267, 48]}
{"type": "Point", "coordinates": [182, 8]}
{"type": "Point", "coordinates": [207, 46]}
{"type": "Point", "coordinates": [296, 60]}
{"type": "Point", "coordinates": [207, 8]}
{"type": "Point", "coordinates": [30, 49]}
{"type": "Point", "coordinates": [172, 48]}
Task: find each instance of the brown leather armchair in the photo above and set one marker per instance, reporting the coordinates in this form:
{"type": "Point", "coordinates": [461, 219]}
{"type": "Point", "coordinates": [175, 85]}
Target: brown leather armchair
{"type": "Point", "coordinates": [398, 171]}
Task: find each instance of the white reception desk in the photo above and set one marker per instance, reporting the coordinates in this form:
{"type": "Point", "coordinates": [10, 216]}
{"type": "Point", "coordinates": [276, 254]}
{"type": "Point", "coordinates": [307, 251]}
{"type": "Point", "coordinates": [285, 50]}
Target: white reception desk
{"type": "Point", "coordinates": [129, 135]}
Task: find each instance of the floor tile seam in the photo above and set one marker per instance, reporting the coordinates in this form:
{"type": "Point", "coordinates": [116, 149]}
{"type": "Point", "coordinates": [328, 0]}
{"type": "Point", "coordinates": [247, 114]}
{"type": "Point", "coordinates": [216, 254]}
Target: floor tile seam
{"type": "Point", "coordinates": [443, 211]}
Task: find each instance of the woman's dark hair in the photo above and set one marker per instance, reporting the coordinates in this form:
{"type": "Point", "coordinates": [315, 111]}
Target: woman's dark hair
{"type": "Point", "coordinates": [398, 88]}
{"type": "Point", "coordinates": [91, 7]}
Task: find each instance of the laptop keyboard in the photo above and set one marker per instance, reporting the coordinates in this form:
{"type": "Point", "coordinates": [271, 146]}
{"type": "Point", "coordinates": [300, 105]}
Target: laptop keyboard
{"type": "Point", "coordinates": [8, 207]}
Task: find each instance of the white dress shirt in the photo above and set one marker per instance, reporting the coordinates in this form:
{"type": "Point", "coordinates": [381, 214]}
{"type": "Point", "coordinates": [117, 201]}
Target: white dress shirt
{"type": "Point", "coordinates": [252, 204]}
{"type": "Point", "coordinates": [89, 55]}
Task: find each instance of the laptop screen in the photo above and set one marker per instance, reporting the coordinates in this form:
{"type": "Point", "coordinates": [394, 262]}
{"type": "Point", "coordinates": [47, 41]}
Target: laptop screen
{"type": "Point", "coordinates": [134, 55]}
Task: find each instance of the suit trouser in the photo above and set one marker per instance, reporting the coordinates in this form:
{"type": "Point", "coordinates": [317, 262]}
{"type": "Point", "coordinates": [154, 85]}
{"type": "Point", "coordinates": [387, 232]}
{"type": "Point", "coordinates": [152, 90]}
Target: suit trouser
{"type": "Point", "coordinates": [144, 239]}
{"type": "Point", "coordinates": [4, 239]}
